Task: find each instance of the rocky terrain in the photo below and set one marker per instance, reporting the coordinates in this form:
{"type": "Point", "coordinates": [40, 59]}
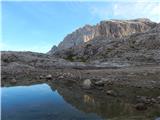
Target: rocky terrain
{"type": "Point", "coordinates": [114, 58]}
{"type": "Point", "coordinates": [135, 49]}
{"type": "Point", "coordinates": [109, 29]}
{"type": "Point", "coordinates": [115, 44]}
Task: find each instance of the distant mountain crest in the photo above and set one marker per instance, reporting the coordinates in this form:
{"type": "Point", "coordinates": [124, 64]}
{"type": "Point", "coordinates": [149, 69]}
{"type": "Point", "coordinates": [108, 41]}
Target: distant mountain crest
{"type": "Point", "coordinates": [110, 28]}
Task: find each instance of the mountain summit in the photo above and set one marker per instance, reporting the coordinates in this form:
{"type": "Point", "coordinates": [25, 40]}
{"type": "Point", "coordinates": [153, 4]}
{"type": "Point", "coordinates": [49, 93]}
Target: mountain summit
{"type": "Point", "coordinates": [109, 28]}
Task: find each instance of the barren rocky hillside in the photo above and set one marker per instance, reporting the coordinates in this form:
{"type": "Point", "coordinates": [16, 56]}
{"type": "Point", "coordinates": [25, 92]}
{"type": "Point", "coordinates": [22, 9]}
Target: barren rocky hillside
{"type": "Point", "coordinates": [138, 48]}
{"type": "Point", "coordinates": [109, 29]}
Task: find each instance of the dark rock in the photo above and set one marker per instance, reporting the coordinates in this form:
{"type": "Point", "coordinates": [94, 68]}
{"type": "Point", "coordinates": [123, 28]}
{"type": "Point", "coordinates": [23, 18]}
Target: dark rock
{"type": "Point", "coordinates": [99, 83]}
{"type": "Point", "coordinates": [153, 100]}
{"type": "Point", "coordinates": [158, 97]}
{"type": "Point", "coordinates": [49, 77]}
{"type": "Point", "coordinates": [111, 93]}
{"type": "Point", "coordinates": [13, 81]}
{"type": "Point", "coordinates": [146, 100]}
{"type": "Point", "coordinates": [140, 106]}
{"type": "Point", "coordinates": [41, 77]}
{"type": "Point", "coordinates": [61, 77]}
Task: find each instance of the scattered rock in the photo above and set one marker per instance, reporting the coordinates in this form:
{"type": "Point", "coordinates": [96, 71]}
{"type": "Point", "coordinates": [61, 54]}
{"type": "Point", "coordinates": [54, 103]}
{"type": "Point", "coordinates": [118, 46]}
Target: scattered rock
{"type": "Point", "coordinates": [110, 83]}
{"type": "Point", "coordinates": [140, 106]}
{"type": "Point", "coordinates": [153, 100]}
{"type": "Point", "coordinates": [49, 77]}
{"type": "Point", "coordinates": [13, 81]}
{"type": "Point", "coordinates": [158, 97]}
{"type": "Point", "coordinates": [111, 93]}
{"type": "Point", "coordinates": [145, 74]}
{"type": "Point", "coordinates": [99, 83]}
{"type": "Point", "coordinates": [41, 77]}
{"type": "Point", "coordinates": [87, 84]}
{"type": "Point", "coordinates": [61, 77]}
{"type": "Point", "coordinates": [146, 100]}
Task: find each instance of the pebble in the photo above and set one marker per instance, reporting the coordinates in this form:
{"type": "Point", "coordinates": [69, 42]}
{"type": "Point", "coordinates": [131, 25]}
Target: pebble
{"type": "Point", "coordinates": [13, 81]}
{"type": "Point", "coordinates": [111, 92]}
{"type": "Point", "coordinates": [49, 77]}
{"type": "Point", "coordinates": [140, 106]}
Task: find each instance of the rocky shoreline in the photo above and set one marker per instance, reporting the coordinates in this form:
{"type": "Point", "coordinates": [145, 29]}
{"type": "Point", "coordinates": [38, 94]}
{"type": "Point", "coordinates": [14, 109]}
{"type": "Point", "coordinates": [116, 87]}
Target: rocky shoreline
{"type": "Point", "coordinates": [141, 84]}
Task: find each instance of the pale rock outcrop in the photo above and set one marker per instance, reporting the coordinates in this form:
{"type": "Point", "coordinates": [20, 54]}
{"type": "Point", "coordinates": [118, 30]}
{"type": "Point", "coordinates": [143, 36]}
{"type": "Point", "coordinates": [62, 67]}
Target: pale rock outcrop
{"type": "Point", "coordinates": [109, 29]}
{"type": "Point", "coordinates": [138, 48]}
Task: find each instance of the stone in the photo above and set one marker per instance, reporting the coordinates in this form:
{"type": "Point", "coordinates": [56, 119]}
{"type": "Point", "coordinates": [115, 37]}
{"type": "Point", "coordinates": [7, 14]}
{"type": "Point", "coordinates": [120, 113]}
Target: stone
{"type": "Point", "coordinates": [87, 84]}
{"type": "Point", "coordinates": [111, 93]}
{"type": "Point", "coordinates": [153, 100]}
{"type": "Point", "coordinates": [146, 100]}
{"type": "Point", "coordinates": [99, 83]}
{"type": "Point", "coordinates": [158, 97]}
{"type": "Point", "coordinates": [140, 106]}
{"type": "Point", "coordinates": [13, 81]}
{"type": "Point", "coordinates": [61, 77]}
{"type": "Point", "coordinates": [41, 77]}
{"type": "Point", "coordinates": [49, 77]}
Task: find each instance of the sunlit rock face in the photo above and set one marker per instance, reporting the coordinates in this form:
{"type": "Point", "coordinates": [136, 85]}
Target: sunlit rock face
{"type": "Point", "coordinates": [138, 48]}
{"type": "Point", "coordinates": [79, 36]}
{"type": "Point", "coordinates": [109, 29]}
{"type": "Point", "coordinates": [121, 28]}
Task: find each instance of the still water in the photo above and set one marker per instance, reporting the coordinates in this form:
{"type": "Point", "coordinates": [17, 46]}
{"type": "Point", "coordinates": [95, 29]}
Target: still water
{"type": "Point", "coordinates": [38, 102]}
{"type": "Point", "coordinates": [62, 102]}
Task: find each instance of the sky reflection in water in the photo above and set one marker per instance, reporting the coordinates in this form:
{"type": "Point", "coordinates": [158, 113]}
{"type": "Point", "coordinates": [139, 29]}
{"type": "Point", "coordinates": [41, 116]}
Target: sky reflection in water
{"type": "Point", "coordinates": [38, 102]}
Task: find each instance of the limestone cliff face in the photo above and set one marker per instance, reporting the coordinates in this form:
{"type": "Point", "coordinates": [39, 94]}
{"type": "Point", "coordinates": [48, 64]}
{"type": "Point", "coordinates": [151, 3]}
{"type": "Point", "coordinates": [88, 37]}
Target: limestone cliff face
{"type": "Point", "coordinates": [109, 29]}
{"type": "Point", "coordinates": [79, 36]}
{"type": "Point", "coordinates": [119, 28]}
{"type": "Point", "coordinates": [136, 49]}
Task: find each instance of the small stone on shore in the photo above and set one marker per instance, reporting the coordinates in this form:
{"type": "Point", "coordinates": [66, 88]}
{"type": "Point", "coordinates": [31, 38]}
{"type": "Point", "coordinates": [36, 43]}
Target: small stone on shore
{"type": "Point", "coordinates": [49, 77]}
{"type": "Point", "coordinates": [13, 81]}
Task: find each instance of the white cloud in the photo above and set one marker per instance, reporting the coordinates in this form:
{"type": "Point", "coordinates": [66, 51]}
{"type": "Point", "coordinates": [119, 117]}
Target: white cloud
{"type": "Point", "coordinates": [128, 10]}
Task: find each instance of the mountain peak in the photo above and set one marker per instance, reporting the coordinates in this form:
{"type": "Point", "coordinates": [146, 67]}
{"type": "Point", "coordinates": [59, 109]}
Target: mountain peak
{"type": "Point", "coordinates": [109, 28]}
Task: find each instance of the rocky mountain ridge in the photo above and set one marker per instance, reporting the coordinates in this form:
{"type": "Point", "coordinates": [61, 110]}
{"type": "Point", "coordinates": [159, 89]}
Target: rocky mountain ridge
{"type": "Point", "coordinates": [141, 48]}
{"type": "Point", "coordinates": [109, 29]}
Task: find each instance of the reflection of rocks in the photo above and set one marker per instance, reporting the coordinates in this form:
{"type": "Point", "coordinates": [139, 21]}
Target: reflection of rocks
{"type": "Point", "coordinates": [88, 99]}
{"type": "Point", "coordinates": [141, 106]}
{"type": "Point", "coordinates": [13, 81]}
{"type": "Point", "coordinates": [106, 106]}
{"type": "Point", "coordinates": [147, 100]}
{"type": "Point", "coordinates": [111, 93]}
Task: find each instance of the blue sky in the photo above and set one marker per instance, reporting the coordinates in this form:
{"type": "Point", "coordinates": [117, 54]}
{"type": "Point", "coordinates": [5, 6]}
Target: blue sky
{"type": "Point", "coordinates": [37, 26]}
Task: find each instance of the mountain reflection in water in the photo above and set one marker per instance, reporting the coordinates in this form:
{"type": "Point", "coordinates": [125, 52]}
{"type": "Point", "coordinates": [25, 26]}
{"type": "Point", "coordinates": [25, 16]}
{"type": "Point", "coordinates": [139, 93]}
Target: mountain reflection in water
{"type": "Point", "coordinates": [58, 102]}
{"type": "Point", "coordinates": [38, 102]}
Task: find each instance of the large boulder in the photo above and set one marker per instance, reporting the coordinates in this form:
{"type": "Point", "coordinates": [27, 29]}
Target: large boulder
{"type": "Point", "coordinates": [87, 84]}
